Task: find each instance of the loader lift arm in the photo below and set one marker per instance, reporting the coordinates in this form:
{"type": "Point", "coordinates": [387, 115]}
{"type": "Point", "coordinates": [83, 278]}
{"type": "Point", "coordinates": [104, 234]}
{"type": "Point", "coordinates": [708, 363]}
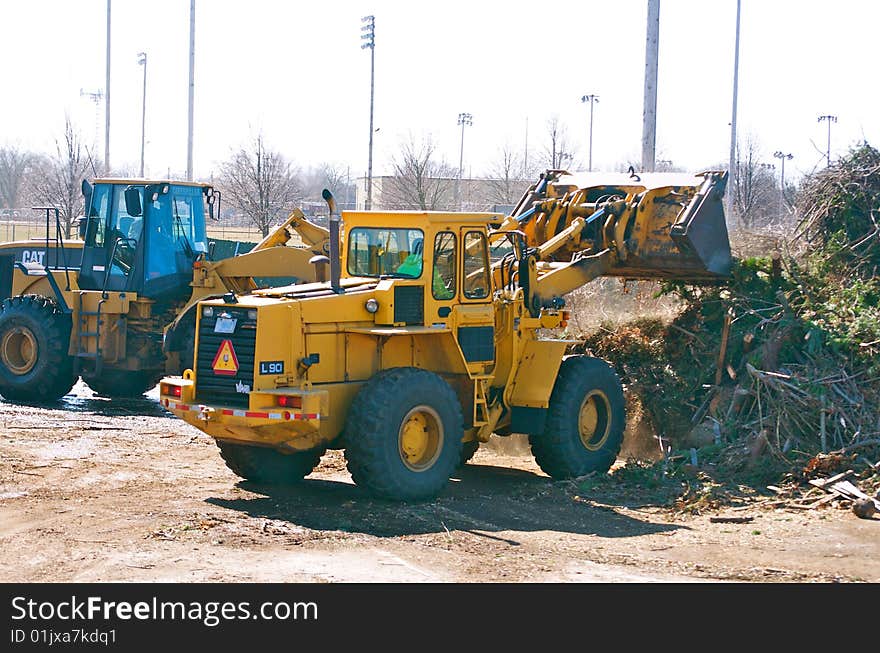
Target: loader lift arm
{"type": "Point", "coordinates": [577, 234]}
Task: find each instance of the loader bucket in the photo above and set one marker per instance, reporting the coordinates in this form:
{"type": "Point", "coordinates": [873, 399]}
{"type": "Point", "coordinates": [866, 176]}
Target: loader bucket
{"type": "Point", "coordinates": [701, 230]}
{"type": "Point", "coordinates": [677, 232]}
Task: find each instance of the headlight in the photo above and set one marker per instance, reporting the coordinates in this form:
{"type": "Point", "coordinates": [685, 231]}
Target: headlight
{"type": "Point", "coordinates": [372, 305]}
{"type": "Point", "coordinates": [207, 311]}
{"type": "Point", "coordinates": [252, 314]}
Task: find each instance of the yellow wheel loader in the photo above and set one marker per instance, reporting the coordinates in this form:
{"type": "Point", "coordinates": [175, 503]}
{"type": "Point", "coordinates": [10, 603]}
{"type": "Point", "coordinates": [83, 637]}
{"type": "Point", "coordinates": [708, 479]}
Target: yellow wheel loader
{"type": "Point", "coordinates": [430, 335]}
{"type": "Point", "coordinates": [117, 306]}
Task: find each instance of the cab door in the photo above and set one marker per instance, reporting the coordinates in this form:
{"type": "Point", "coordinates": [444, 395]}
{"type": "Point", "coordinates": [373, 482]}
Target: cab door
{"type": "Point", "coordinates": [112, 254]}
{"type": "Point", "coordinates": [474, 316]}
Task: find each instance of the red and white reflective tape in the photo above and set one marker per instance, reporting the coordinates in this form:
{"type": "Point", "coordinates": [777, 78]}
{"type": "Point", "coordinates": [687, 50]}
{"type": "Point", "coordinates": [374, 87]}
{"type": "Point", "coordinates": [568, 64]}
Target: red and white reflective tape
{"type": "Point", "coordinates": [184, 407]}
{"type": "Point", "coordinates": [284, 415]}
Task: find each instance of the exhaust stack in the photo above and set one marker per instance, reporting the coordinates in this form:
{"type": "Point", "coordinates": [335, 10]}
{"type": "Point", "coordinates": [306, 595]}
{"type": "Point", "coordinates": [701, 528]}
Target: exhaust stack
{"type": "Point", "coordinates": [335, 271]}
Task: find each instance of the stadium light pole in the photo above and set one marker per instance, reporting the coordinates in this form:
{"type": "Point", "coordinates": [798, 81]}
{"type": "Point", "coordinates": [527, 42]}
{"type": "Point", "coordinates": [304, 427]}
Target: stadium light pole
{"type": "Point", "coordinates": [368, 35]}
{"type": "Point", "coordinates": [464, 119]}
{"type": "Point", "coordinates": [782, 157]}
{"type": "Point", "coordinates": [142, 61]}
{"type": "Point", "coordinates": [96, 97]}
{"type": "Point", "coordinates": [592, 99]}
{"type": "Point", "coordinates": [192, 90]}
{"type": "Point", "coordinates": [829, 119]}
{"type": "Point", "coordinates": [107, 101]}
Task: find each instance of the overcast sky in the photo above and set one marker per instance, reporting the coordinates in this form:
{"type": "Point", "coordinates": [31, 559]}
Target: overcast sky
{"type": "Point", "coordinates": [295, 71]}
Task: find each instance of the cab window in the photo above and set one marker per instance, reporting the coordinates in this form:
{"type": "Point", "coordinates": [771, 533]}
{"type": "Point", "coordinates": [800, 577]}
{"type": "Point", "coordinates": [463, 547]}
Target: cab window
{"type": "Point", "coordinates": [96, 218]}
{"type": "Point", "coordinates": [476, 266]}
{"type": "Point", "coordinates": [443, 283]}
{"type": "Point", "coordinates": [383, 252]}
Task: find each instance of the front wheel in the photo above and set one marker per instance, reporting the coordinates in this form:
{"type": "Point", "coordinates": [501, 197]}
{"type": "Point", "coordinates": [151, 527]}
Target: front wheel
{"type": "Point", "coordinates": [403, 434]}
{"type": "Point", "coordinates": [34, 339]}
{"type": "Point", "coordinates": [585, 420]}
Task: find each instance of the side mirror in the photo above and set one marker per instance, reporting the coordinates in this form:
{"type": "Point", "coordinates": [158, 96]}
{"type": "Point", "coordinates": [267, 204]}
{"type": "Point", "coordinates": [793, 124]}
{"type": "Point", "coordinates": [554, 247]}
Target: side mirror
{"type": "Point", "coordinates": [87, 192]}
{"type": "Point", "coordinates": [133, 202]}
{"type": "Point", "coordinates": [212, 197]}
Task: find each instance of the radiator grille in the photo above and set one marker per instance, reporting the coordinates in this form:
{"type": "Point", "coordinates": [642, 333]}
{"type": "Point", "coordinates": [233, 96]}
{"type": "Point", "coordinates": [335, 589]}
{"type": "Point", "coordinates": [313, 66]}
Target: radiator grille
{"type": "Point", "coordinates": [221, 389]}
{"type": "Point", "coordinates": [409, 305]}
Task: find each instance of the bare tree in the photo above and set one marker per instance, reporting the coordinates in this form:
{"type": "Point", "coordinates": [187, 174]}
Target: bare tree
{"type": "Point", "coordinates": [60, 182]}
{"type": "Point", "coordinates": [505, 181]}
{"type": "Point", "coordinates": [336, 179]}
{"type": "Point", "coordinates": [14, 165]}
{"type": "Point", "coordinates": [557, 152]}
{"type": "Point", "coordinates": [754, 189]}
{"type": "Point", "coordinates": [419, 180]}
{"type": "Point", "coordinates": [261, 184]}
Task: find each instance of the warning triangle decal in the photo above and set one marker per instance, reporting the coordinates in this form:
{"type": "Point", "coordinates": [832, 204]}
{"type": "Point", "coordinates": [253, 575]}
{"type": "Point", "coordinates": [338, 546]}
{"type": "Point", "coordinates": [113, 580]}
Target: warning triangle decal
{"type": "Point", "coordinates": [225, 362]}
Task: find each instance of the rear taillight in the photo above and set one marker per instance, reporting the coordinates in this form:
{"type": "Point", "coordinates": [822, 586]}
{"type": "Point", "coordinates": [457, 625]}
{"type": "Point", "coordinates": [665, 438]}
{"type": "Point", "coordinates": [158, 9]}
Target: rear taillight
{"type": "Point", "coordinates": [290, 401]}
{"type": "Point", "coordinates": [172, 390]}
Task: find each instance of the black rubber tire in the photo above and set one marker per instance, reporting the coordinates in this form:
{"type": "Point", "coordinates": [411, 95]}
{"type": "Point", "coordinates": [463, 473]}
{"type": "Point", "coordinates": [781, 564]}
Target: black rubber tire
{"type": "Point", "coordinates": [123, 384]}
{"type": "Point", "coordinates": [51, 376]}
{"type": "Point", "coordinates": [468, 449]}
{"type": "Point", "coordinates": [268, 466]}
{"type": "Point", "coordinates": [559, 450]}
{"type": "Point", "coordinates": [373, 434]}
{"type": "Point", "coordinates": [188, 354]}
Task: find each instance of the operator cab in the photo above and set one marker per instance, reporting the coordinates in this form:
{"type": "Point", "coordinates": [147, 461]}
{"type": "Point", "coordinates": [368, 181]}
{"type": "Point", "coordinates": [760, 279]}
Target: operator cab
{"type": "Point", "coordinates": [143, 237]}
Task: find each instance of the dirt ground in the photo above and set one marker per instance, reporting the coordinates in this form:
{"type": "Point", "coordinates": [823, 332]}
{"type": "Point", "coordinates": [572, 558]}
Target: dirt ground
{"type": "Point", "coordinates": [93, 490]}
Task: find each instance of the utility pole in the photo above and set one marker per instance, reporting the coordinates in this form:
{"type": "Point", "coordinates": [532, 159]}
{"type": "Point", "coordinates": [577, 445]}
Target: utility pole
{"type": "Point", "coordinates": [829, 119]}
{"type": "Point", "coordinates": [192, 88]}
{"type": "Point", "coordinates": [649, 117]}
{"type": "Point", "coordinates": [463, 120]}
{"type": "Point", "coordinates": [782, 157]}
{"type": "Point", "coordinates": [731, 170]}
{"type": "Point", "coordinates": [592, 99]}
{"type": "Point", "coordinates": [142, 60]}
{"type": "Point", "coordinates": [526, 151]}
{"type": "Point", "coordinates": [368, 37]}
{"type": "Point", "coordinates": [107, 101]}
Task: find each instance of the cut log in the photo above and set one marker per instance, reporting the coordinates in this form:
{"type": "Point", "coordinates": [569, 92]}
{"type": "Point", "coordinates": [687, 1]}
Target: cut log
{"type": "Point", "coordinates": [730, 520]}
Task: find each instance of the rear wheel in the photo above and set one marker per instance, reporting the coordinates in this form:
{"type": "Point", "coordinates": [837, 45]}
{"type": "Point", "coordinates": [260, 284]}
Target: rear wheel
{"type": "Point", "coordinates": [263, 465]}
{"type": "Point", "coordinates": [585, 420]}
{"type": "Point", "coordinates": [122, 384]}
{"type": "Point", "coordinates": [468, 449]}
{"type": "Point", "coordinates": [34, 340]}
{"type": "Point", "coordinates": [404, 432]}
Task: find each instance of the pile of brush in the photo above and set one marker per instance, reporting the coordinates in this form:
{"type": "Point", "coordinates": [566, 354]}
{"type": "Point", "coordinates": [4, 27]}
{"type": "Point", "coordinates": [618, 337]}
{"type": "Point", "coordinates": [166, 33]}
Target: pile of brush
{"type": "Point", "coordinates": [779, 363]}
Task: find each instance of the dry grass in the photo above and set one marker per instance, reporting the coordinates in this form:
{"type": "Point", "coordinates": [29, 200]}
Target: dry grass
{"type": "Point", "coordinates": [608, 303]}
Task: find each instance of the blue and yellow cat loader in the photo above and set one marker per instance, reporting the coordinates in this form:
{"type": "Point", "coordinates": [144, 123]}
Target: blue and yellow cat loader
{"type": "Point", "coordinates": [117, 304]}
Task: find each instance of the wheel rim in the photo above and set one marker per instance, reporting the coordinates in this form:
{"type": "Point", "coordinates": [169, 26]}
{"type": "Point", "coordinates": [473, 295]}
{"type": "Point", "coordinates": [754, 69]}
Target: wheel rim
{"type": "Point", "coordinates": [594, 424]}
{"type": "Point", "coordinates": [420, 438]}
{"type": "Point", "coordinates": [19, 350]}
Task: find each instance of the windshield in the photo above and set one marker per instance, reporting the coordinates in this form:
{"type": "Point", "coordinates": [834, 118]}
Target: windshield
{"type": "Point", "coordinates": [376, 252]}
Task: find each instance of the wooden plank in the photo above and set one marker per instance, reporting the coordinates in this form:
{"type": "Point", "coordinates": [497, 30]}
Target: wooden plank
{"type": "Point", "coordinates": [823, 483]}
{"type": "Point", "coordinates": [815, 504]}
{"type": "Point", "coordinates": [845, 487]}
{"type": "Point", "coordinates": [722, 353]}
